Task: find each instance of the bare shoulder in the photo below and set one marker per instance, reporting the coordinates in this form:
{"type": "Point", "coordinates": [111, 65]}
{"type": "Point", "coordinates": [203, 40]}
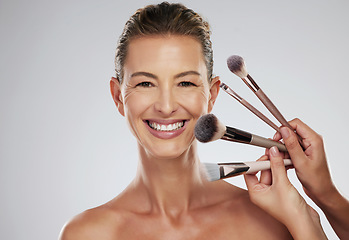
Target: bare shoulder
{"type": "Point", "coordinates": [111, 220]}
{"type": "Point", "coordinates": [98, 223]}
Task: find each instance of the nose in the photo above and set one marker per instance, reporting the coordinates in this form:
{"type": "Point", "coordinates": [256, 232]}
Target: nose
{"type": "Point", "coordinates": [166, 102]}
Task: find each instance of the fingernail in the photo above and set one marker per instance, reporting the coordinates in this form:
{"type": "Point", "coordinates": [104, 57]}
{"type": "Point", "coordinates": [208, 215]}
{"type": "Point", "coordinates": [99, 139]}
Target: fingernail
{"type": "Point", "coordinates": [285, 132]}
{"type": "Point", "coordinates": [274, 151]}
{"type": "Point", "coordinates": [275, 135]}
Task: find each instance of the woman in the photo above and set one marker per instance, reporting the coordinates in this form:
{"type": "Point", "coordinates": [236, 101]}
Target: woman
{"type": "Point", "coordinates": [163, 85]}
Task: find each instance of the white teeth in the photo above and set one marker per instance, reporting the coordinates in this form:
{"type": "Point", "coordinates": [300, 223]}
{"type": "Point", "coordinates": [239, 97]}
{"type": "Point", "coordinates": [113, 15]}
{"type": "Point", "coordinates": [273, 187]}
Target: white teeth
{"type": "Point", "coordinates": [169, 127]}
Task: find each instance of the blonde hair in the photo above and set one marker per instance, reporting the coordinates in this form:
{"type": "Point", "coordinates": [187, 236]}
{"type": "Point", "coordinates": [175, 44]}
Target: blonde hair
{"type": "Point", "coordinates": [164, 19]}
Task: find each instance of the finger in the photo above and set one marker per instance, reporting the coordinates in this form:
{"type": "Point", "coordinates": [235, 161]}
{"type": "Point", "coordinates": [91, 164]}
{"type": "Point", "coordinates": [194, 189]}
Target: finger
{"type": "Point", "coordinates": [263, 158]}
{"type": "Point", "coordinates": [303, 129]}
{"type": "Point", "coordinates": [310, 137]}
{"type": "Point", "coordinates": [267, 152]}
{"type": "Point", "coordinates": [266, 177]}
{"type": "Point", "coordinates": [277, 166]}
{"type": "Point", "coordinates": [277, 137]}
{"type": "Point", "coordinates": [251, 181]}
{"type": "Point", "coordinates": [293, 147]}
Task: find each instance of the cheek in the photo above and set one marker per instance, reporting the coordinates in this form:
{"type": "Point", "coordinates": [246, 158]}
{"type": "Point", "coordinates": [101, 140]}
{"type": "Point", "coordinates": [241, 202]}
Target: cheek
{"type": "Point", "coordinates": [196, 103]}
{"type": "Point", "coordinates": [135, 104]}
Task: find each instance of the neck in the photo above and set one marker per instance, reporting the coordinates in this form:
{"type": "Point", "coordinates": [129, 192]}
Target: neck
{"type": "Point", "coordinates": [171, 184]}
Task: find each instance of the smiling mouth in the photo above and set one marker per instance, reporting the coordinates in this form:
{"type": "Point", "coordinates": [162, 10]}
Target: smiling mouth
{"type": "Point", "coordinates": [166, 127]}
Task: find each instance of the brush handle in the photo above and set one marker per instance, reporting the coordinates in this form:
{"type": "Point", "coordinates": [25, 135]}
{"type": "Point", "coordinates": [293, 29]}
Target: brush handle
{"type": "Point", "coordinates": [267, 143]}
{"type": "Point", "coordinates": [249, 81]}
{"type": "Point", "coordinates": [237, 135]}
{"type": "Point", "coordinates": [259, 114]}
{"type": "Point", "coordinates": [262, 165]}
{"type": "Point", "coordinates": [276, 113]}
{"type": "Point", "coordinates": [255, 111]}
{"type": "Point", "coordinates": [272, 108]}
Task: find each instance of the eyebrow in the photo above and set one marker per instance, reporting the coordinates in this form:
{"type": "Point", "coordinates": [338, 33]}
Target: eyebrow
{"type": "Point", "coordinates": [183, 74]}
{"type": "Point", "coordinates": [146, 74]}
{"type": "Point", "coordinates": [150, 75]}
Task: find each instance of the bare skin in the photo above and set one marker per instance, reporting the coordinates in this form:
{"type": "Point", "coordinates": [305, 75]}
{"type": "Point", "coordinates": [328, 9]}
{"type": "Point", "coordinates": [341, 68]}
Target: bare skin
{"type": "Point", "coordinates": [275, 194]}
{"type": "Point", "coordinates": [165, 82]}
{"type": "Point", "coordinates": [217, 211]}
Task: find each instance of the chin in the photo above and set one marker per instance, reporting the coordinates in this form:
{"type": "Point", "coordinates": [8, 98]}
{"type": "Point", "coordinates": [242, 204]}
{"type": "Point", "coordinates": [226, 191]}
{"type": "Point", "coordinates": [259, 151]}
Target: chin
{"type": "Point", "coordinates": [168, 151]}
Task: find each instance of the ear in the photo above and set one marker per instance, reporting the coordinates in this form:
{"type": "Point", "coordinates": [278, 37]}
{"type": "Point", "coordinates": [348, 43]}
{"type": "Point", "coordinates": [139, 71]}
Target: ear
{"type": "Point", "coordinates": [214, 90]}
{"type": "Point", "coordinates": [115, 90]}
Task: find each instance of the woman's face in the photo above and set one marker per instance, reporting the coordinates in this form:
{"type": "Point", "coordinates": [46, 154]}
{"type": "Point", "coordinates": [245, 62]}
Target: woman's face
{"type": "Point", "coordinates": [164, 91]}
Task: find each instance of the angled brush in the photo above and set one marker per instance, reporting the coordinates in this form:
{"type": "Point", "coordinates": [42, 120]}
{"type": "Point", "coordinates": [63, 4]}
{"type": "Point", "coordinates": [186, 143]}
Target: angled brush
{"type": "Point", "coordinates": [216, 171]}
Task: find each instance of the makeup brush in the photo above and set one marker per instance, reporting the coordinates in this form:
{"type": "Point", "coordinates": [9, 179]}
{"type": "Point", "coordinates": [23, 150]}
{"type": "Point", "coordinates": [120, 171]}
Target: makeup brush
{"type": "Point", "coordinates": [216, 171]}
{"type": "Point", "coordinates": [236, 64]}
{"type": "Point", "coordinates": [208, 128]}
{"type": "Point", "coordinates": [228, 90]}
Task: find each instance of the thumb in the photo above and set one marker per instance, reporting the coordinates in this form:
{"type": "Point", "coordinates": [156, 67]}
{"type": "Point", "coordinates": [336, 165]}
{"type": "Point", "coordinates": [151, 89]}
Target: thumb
{"type": "Point", "coordinates": [294, 149]}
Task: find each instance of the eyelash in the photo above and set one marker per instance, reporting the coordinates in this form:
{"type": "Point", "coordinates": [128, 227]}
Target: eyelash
{"type": "Point", "coordinates": [181, 84]}
{"type": "Point", "coordinates": [144, 84]}
{"type": "Point", "coordinates": [186, 84]}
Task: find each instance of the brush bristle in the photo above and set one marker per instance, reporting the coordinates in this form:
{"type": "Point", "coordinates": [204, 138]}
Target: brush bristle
{"type": "Point", "coordinates": [236, 64]}
{"type": "Point", "coordinates": [211, 171]}
{"type": "Point", "coordinates": [208, 128]}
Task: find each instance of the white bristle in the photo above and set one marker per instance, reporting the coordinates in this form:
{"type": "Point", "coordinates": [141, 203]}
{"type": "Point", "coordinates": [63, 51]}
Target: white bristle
{"type": "Point", "coordinates": [221, 130]}
{"type": "Point", "coordinates": [211, 171]}
{"type": "Point", "coordinates": [243, 72]}
{"type": "Point", "coordinates": [208, 128]}
{"type": "Point", "coordinates": [236, 64]}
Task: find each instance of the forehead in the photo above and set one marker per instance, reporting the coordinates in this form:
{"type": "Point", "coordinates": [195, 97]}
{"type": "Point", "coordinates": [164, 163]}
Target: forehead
{"type": "Point", "coordinates": [160, 53]}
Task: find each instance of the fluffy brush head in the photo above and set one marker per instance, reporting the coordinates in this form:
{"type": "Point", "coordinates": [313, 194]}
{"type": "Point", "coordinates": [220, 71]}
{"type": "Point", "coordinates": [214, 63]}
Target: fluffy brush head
{"type": "Point", "coordinates": [236, 64]}
{"type": "Point", "coordinates": [208, 128]}
{"type": "Point", "coordinates": [211, 171]}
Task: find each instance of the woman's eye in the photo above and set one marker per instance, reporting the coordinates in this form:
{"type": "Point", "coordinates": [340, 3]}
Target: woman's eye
{"type": "Point", "coordinates": [144, 84]}
{"type": "Point", "coordinates": [186, 84]}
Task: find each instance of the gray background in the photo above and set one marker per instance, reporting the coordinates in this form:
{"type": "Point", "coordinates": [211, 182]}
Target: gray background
{"type": "Point", "coordinates": [64, 147]}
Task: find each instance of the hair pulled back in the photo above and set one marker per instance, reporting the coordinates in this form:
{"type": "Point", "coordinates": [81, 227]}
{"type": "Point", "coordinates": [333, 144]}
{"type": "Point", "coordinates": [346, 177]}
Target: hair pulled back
{"type": "Point", "coordinates": [164, 19]}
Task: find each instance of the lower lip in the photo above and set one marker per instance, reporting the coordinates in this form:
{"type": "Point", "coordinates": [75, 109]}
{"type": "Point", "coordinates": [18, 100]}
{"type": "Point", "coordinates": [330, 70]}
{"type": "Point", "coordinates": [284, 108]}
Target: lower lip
{"type": "Point", "coordinates": [166, 134]}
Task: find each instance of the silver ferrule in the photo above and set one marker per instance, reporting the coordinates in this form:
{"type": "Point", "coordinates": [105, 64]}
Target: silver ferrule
{"type": "Point", "coordinates": [228, 90]}
{"type": "Point", "coordinates": [250, 83]}
{"type": "Point", "coordinates": [227, 170]}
